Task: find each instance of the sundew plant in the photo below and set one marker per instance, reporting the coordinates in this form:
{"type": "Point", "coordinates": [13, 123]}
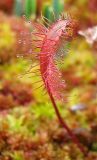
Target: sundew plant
{"type": "Point", "coordinates": [47, 45]}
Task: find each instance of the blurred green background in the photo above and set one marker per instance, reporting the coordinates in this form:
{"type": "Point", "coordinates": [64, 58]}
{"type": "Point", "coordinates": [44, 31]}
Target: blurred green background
{"type": "Point", "coordinates": [28, 125]}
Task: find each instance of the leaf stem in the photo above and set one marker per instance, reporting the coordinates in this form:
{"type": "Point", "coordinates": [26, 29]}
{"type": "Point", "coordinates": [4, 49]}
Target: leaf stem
{"type": "Point", "coordinates": [65, 126]}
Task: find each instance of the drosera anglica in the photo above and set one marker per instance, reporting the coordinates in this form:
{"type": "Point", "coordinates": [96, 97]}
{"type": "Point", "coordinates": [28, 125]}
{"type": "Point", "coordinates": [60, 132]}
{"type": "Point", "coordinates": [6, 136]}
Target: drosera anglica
{"type": "Point", "coordinates": [48, 44]}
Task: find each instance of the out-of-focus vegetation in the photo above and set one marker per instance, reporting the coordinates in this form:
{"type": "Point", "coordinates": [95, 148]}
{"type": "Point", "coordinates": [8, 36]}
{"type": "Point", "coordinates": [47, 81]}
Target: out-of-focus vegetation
{"type": "Point", "coordinates": [28, 125]}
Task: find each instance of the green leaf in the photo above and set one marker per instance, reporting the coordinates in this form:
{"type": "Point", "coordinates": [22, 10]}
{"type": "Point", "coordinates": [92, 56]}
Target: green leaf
{"type": "Point", "coordinates": [58, 6]}
{"type": "Point", "coordinates": [30, 8]}
{"type": "Point", "coordinates": [18, 7]}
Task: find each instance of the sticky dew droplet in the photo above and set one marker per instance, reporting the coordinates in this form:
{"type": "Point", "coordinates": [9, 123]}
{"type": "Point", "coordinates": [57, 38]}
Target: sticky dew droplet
{"type": "Point", "coordinates": [19, 41]}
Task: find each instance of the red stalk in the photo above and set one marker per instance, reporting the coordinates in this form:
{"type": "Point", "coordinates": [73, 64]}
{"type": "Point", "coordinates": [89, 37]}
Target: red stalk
{"type": "Point", "coordinates": [65, 126]}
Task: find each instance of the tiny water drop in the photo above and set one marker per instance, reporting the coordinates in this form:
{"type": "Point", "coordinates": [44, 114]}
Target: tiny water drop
{"type": "Point", "coordinates": [19, 41]}
{"type": "Point", "coordinates": [30, 51]}
{"type": "Point", "coordinates": [19, 56]}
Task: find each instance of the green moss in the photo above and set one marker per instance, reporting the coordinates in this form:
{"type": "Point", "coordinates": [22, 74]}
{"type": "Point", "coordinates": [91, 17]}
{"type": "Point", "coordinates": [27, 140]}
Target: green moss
{"type": "Point", "coordinates": [94, 147]}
